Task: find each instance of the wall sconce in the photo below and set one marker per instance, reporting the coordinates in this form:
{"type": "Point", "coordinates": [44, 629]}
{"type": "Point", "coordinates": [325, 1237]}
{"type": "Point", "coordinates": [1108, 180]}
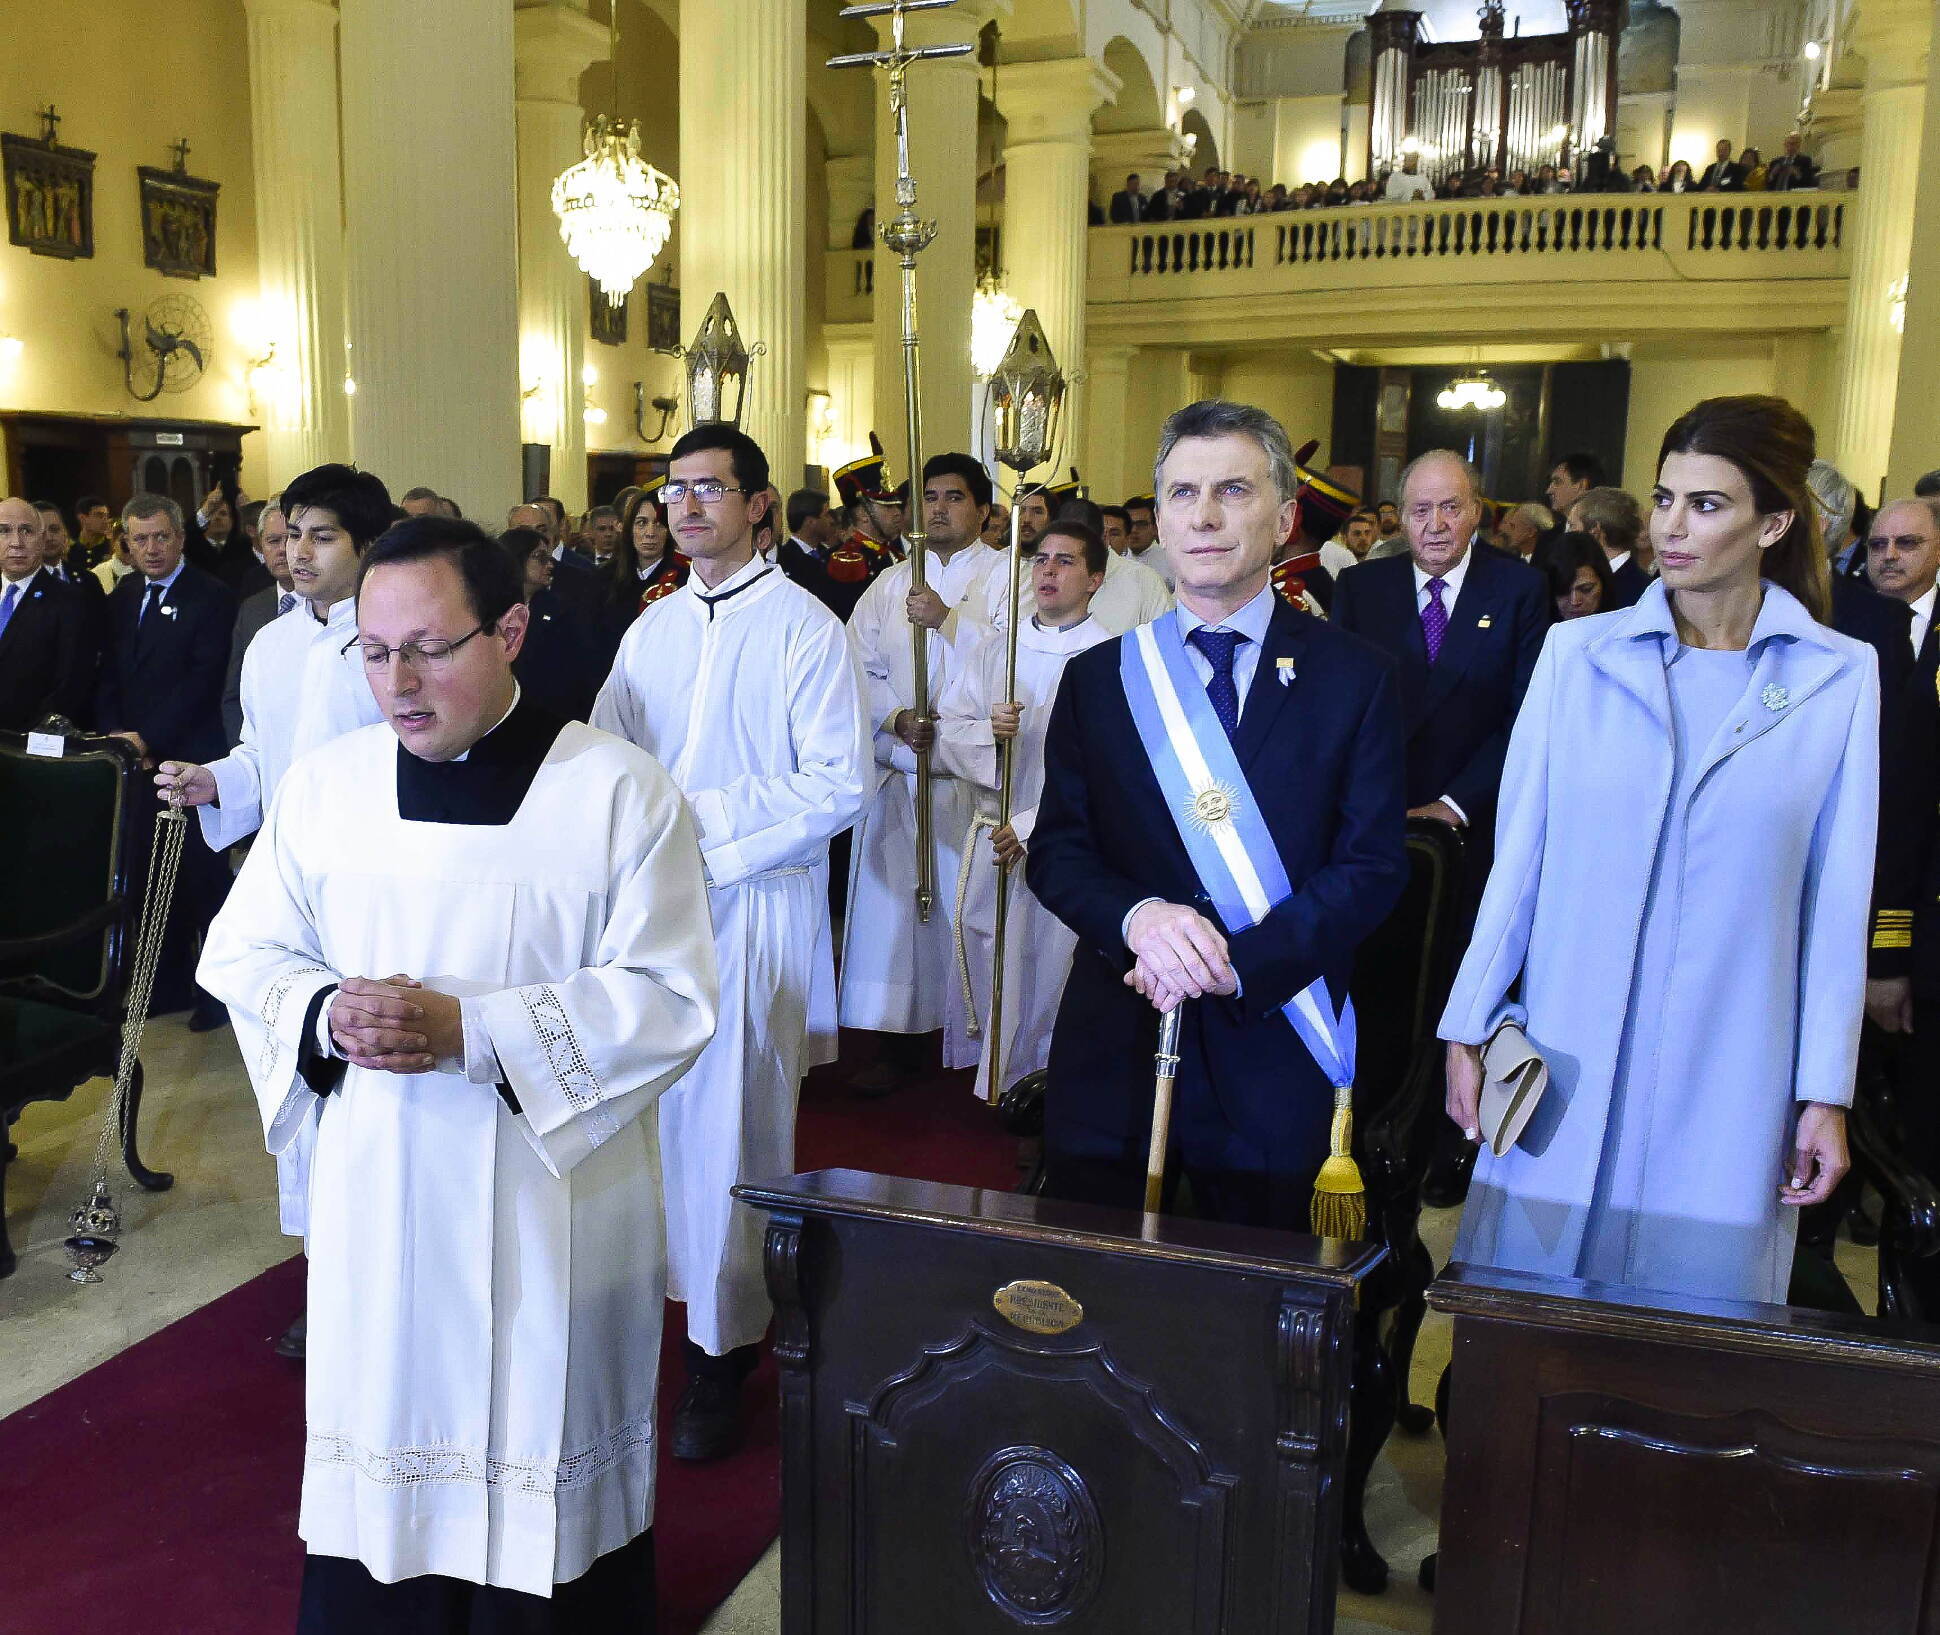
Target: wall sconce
{"type": "Point", "coordinates": [666, 405]}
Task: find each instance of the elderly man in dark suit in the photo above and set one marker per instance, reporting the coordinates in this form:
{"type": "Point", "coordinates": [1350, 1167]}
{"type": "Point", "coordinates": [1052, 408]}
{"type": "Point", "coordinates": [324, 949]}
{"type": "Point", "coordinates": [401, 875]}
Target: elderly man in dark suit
{"type": "Point", "coordinates": [1615, 520]}
{"type": "Point", "coordinates": [1306, 721]}
{"type": "Point", "coordinates": [1464, 627]}
{"type": "Point", "coordinates": [1130, 203]}
{"type": "Point", "coordinates": [47, 637]}
{"type": "Point", "coordinates": [164, 659]}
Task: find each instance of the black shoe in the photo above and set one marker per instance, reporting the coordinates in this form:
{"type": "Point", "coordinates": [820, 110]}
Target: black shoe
{"type": "Point", "coordinates": [293, 1340]}
{"type": "Point", "coordinates": [1448, 1178]}
{"type": "Point", "coordinates": [879, 1080]}
{"type": "Point", "coordinates": [707, 1419]}
{"type": "Point", "coordinates": [208, 1015]}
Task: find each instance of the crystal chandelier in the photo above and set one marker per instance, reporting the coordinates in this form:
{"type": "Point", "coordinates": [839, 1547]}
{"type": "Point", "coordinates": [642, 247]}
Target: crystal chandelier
{"type": "Point", "coordinates": [993, 319]}
{"type": "Point", "coordinates": [1475, 391]}
{"type": "Point", "coordinates": [615, 210]}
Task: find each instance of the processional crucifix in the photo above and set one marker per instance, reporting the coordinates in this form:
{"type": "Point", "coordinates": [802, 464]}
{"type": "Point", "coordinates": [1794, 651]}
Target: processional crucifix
{"type": "Point", "coordinates": [908, 236]}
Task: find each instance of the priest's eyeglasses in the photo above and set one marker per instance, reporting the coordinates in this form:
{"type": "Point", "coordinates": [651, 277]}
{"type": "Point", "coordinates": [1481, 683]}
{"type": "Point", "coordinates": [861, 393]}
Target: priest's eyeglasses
{"type": "Point", "coordinates": [708, 490]}
{"type": "Point", "coordinates": [431, 654]}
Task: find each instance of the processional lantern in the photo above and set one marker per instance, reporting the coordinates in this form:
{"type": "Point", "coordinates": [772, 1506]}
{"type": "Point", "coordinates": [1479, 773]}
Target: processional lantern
{"type": "Point", "coordinates": [1027, 393]}
{"type": "Point", "coordinates": [717, 367]}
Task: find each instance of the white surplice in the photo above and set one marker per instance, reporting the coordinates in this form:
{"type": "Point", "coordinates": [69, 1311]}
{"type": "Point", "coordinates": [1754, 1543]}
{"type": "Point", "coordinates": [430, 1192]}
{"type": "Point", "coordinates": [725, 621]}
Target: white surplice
{"type": "Point", "coordinates": [1037, 945]}
{"type": "Point", "coordinates": [755, 706]}
{"type": "Point", "coordinates": [486, 1286]}
{"type": "Point", "coordinates": [897, 972]}
{"type": "Point", "coordinates": [1154, 557]}
{"type": "Point", "coordinates": [299, 690]}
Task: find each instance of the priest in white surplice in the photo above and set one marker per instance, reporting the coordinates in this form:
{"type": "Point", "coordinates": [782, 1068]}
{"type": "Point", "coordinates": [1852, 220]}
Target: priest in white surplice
{"type": "Point", "coordinates": [1065, 572]}
{"type": "Point", "coordinates": [898, 973]}
{"type": "Point", "coordinates": [1132, 594]}
{"type": "Point", "coordinates": [743, 686]}
{"type": "Point", "coordinates": [479, 935]}
{"type": "Point", "coordinates": [299, 689]}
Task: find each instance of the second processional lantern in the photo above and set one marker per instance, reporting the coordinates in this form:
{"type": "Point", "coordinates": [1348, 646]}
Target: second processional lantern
{"type": "Point", "coordinates": [1027, 395]}
{"type": "Point", "coordinates": [717, 367]}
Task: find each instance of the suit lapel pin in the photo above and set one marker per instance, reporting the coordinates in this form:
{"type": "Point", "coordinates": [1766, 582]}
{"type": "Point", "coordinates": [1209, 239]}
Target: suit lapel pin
{"type": "Point", "coordinates": [1283, 668]}
{"type": "Point", "coordinates": [168, 611]}
{"type": "Point", "coordinates": [1775, 697]}
{"type": "Point", "coordinates": [1482, 623]}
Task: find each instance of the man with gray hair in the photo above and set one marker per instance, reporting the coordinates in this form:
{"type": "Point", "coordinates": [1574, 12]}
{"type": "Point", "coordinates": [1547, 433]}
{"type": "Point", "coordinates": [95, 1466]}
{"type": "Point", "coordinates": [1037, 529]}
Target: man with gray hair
{"type": "Point", "coordinates": [1295, 731]}
{"type": "Point", "coordinates": [1524, 527]}
{"type": "Point", "coordinates": [1837, 502]}
{"type": "Point", "coordinates": [164, 659]}
{"type": "Point", "coordinates": [1616, 522]}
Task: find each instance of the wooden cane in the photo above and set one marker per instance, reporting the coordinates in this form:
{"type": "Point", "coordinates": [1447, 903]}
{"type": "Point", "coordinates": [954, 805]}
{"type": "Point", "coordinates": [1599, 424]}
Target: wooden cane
{"type": "Point", "coordinates": [1165, 1069]}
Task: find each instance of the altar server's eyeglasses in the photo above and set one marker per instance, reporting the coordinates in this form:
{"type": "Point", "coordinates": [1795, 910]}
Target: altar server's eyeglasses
{"type": "Point", "coordinates": [708, 490]}
{"type": "Point", "coordinates": [431, 654]}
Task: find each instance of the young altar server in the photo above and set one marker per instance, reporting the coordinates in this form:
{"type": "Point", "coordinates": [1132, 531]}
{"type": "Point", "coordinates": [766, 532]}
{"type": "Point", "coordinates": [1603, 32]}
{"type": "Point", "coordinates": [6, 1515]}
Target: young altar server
{"type": "Point", "coordinates": [479, 937]}
{"type": "Point", "coordinates": [743, 685]}
{"type": "Point", "coordinates": [299, 689]}
{"type": "Point", "coordinates": [1066, 571]}
{"type": "Point", "coordinates": [897, 970]}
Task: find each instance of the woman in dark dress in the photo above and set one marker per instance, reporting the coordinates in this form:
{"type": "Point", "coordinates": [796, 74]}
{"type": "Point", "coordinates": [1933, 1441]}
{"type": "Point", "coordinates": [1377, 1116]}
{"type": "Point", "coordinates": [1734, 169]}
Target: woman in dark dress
{"type": "Point", "coordinates": [561, 666]}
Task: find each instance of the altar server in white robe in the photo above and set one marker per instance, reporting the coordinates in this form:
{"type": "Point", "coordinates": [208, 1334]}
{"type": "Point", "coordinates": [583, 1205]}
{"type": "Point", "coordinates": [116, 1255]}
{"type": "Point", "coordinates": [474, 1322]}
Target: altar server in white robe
{"type": "Point", "coordinates": [299, 689]}
{"type": "Point", "coordinates": [1065, 572]}
{"type": "Point", "coordinates": [479, 935]}
{"type": "Point", "coordinates": [743, 686]}
{"type": "Point", "coordinates": [897, 972]}
{"type": "Point", "coordinates": [1132, 594]}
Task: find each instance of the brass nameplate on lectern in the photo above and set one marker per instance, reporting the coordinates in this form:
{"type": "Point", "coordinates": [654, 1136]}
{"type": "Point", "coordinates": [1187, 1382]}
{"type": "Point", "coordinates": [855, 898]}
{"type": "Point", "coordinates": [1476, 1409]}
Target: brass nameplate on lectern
{"type": "Point", "coordinates": [1041, 1308]}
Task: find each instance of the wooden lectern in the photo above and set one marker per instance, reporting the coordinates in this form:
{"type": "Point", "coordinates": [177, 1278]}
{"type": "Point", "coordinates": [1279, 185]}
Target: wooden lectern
{"type": "Point", "coordinates": [1735, 1469]}
{"type": "Point", "coordinates": [1000, 1412]}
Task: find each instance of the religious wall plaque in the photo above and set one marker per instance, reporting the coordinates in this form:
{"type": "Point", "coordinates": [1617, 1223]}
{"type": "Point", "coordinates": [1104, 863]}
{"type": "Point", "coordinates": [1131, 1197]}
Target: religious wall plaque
{"type": "Point", "coordinates": [663, 317]}
{"type": "Point", "coordinates": [178, 219]}
{"type": "Point", "coordinates": [50, 193]}
{"type": "Point", "coordinates": [608, 317]}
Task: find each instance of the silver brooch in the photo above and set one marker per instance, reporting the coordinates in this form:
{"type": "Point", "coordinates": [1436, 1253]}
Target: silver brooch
{"type": "Point", "coordinates": [1775, 697]}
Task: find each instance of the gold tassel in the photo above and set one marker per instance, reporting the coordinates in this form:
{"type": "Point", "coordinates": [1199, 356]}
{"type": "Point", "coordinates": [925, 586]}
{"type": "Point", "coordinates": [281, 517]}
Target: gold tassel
{"type": "Point", "coordinates": [1340, 1198]}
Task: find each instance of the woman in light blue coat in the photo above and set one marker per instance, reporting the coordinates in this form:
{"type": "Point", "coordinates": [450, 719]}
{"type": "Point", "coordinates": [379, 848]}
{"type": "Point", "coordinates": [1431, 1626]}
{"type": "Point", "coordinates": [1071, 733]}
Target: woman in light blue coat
{"type": "Point", "coordinates": [1683, 863]}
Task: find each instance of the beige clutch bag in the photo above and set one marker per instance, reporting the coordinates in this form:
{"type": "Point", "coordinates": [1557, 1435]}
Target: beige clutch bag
{"type": "Point", "coordinates": [1514, 1077]}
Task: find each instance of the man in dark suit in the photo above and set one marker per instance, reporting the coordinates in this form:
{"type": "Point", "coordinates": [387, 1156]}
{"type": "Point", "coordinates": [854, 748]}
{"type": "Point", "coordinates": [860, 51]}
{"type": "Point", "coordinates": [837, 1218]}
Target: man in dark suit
{"type": "Point", "coordinates": [1311, 716]}
{"type": "Point", "coordinates": [47, 631]}
{"type": "Point", "coordinates": [1615, 521]}
{"type": "Point", "coordinates": [1463, 629]}
{"type": "Point", "coordinates": [1723, 174]}
{"type": "Point", "coordinates": [164, 659]}
{"type": "Point", "coordinates": [56, 545]}
{"type": "Point", "coordinates": [1130, 204]}
{"type": "Point", "coordinates": [1170, 200]}
{"type": "Point", "coordinates": [1791, 169]}
{"type": "Point", "coordinates": [1200, 200]}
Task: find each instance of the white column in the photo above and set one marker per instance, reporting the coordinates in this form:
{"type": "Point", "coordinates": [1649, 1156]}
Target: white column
{"type": "Point", "coordinates": [1916, 421]}
{"type": "Point", "coordinates": [1893, 36]}
{"type": "Point", "coordinates": [553, 44]}
{"type": "Point", "coordinates": [743, 145]}
{"type": "Point", "coordinates": [852, 390]}
{"type": "Point", "coordinates": [299, 233]}
{"type": "Point", "coordinates": [943, 161]}
{"type": "Point", "coordinates": [1047, 170]}
{"type": "Point", "coordinates": [1112, 467]}
{"type": "Point", "coordinates": [1147, 154]}
{"type": "Point", "coordinates": [432, 227]}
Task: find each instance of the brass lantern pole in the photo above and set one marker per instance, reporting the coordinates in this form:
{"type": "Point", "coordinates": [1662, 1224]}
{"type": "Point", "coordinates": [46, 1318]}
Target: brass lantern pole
{"type": "Point", "coordinates": [1027, 393]}
{"type": "Point", "coordinates": [908, 235]}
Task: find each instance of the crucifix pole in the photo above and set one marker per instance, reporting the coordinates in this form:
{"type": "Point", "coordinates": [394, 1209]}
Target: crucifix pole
{"type": "Point", "coordinates": [908, 235]}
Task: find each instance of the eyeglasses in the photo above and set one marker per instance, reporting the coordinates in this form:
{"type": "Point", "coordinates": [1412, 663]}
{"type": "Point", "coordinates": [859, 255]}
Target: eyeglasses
{"type": "Point", "coordinates": [707, 490]}
{"type": "Point", "coordinates": [419, 655]}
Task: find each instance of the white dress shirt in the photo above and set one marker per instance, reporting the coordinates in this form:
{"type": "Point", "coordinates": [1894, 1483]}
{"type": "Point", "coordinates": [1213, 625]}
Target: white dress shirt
{"type": "Point", "coordinates": [1922, 618]}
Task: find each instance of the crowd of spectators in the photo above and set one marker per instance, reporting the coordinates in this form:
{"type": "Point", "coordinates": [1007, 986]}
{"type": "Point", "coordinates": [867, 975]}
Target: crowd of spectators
{"type": "Point", "coordinates": [1229, 193]}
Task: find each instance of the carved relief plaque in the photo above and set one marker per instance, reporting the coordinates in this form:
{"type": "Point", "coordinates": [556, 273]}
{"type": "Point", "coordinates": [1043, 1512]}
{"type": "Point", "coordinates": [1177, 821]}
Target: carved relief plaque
{"type": "Point", "coordinates": [1035, 1537]}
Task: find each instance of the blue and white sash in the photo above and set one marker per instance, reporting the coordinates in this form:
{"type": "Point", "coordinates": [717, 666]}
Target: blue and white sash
{"type": "Point", "coordinates": [1218, 818]}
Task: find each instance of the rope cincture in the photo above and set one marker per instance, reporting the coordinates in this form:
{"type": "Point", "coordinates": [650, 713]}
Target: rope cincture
{"type": "Point", "coordinates": [973, 1023]}
{"type": "Point", "coordinates": [97, 1223]}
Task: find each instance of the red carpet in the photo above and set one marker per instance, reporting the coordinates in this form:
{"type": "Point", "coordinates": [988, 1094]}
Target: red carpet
{"type": "Point", "coordinates": [158, 1493]}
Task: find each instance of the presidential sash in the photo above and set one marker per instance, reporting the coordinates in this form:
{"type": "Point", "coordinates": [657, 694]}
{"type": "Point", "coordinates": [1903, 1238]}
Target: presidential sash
{"type": "Point", "coordinates": [1239, 868]}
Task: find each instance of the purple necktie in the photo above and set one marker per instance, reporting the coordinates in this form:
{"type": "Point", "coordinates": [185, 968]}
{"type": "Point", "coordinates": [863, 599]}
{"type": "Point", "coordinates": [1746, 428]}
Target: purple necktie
{"type": "Point", "coordinates": [1434, 620]}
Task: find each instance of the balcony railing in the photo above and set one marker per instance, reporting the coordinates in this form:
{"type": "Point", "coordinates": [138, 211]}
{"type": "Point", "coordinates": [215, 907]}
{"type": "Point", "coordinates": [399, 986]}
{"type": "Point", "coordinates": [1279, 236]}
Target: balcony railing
{"type": "Point", "coordinates": [1703, 236]}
